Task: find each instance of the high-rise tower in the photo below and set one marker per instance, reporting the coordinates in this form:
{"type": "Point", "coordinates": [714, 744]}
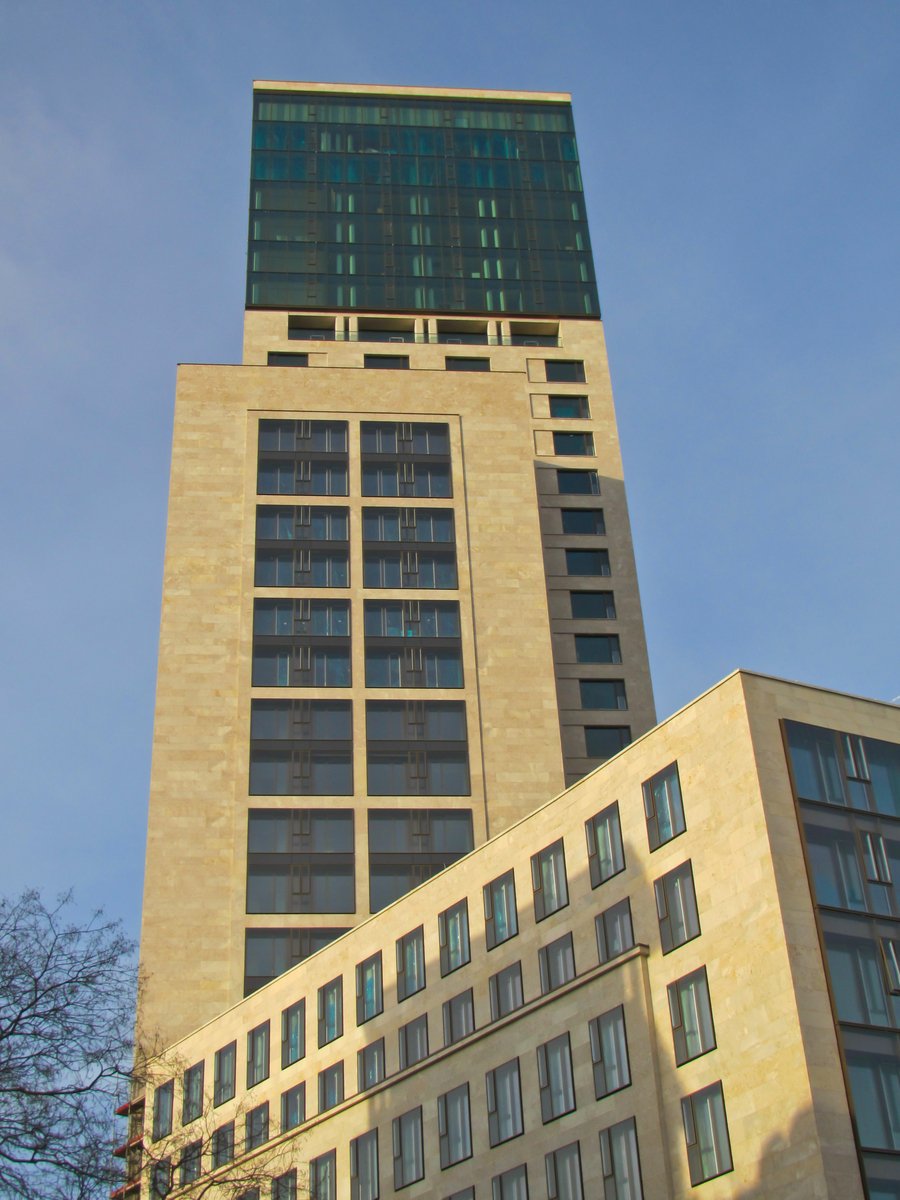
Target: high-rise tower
{"type": "Point", "coordinates": [400, 607]}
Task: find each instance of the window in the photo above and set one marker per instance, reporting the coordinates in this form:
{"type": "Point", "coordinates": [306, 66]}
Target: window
{"type": "Point", "coordinates": [467, 364]}
{"type": "Point", "coordinates": [874, 1084]}
{"type": "Point", "coordinates": [369, 991]}
{"type": "Point", "coordinates": [268, 953]}
{"type": "Point", "coordinates": [587, 562]}
{"type": "Point", "coordinates": [417, 748]}
{"type": "Point", "coordinates": [564, 371]}
{"type": "Point", "coordinates": [706, 1134]}
{"type": "Point", "coordinates": [410, 963]}
{"type": "Point", "coordinates": [408, 846]}
{"type": "Point", "coordinates": [603, 741]}
{"type": "Point", "coordinates": [413, 1042]}
{"type": "Point", "coordinates": [322, 1181]}
{"type": "Point", "coordinates": [609, 1052]}
{"type": "Point", "coordinates": [284, 1187]}
{"type": "Point", "coordinates": [257, 1127]}
{"type": "Point", "coordinates": [864, 978]}
{"type": "Point", "coordinates": [300, 860]}
{"type": "Point", "coordinates": [409, 1160]}
{"type": "Point", "coordinates": [663, 806]}
{"type": "Point", "coordinates": [573, 443]}
{"type": "Point", "coordinates": [466, 1194]}
{"type": "Point", "coordinates": [386, 362]}
{"type": "Point", "coordinates": [593, 606]}
{"type": "Point", "coordinates": [557, 1084]}
{"type": "Point", "coordinates": [676, 907]}
{"type": "Point", "coordinates": [511, 1185]}
{"type": "Point", "coordinates": [569, 407]}
{"type": "Point", "coordinates": [606, 855]}
{"type": "Point", "coordinates": [875, 859]}
{"type": "Point", "coordinates": [364, 1166]}
{"type": "Point", "coordinates": [331, 1086]}
{"type": "Point", "coordinates": [453, 935]}
{"type": "Point", "coordinates": [504, 1102]}
{"type": "Point", "coordinates": [583, 521]}
{"type": "Point", "coordinates": [293, 1107]}
{"type": "Point", "coordinates": [223, 1145]}
{"type": "Point", "coordinates": [602, 693]}
{"type": "Point", "coordinates": [192, 1094]}
{"type": "Point", "coordinates": [301, 748]}
{"type": "Point", "coordinates": [224, 1073]}
{"type": "Point", "coordinates": [459, 1017]}
{"type": "Point", "coordinates": [890, 951]}
{"type": "Point", "coordinates": [548, 879]}
{"type": "Point", "coordinates": [620, 1162]}
{"type": "Point", "coordinates": [293, 1033]}
{"type": "Point", "coordinates": [557, 963]}
{"type": "Point", "coordinates": [573, 482]}
{"type": "Point", "coordinates": [191, 1162]}
{"type": "Point", "coordinates": [615, 935]}
{"type": "Point", "coordinates": [597, 648]}
{"type": "Point", "coordinates": [331, 1011]}
{"type": "Point", "coordinates": [258, 1054]}
{"type": "Point", "coordinates": [506, 991]}
{"type": "Point", "coordinates": [454, 1126]}
{"type": "Point", "coordinates": [161, 1178]}
{"type": "Point", "coordinates": [163, 1102]}
{"type": "Point", "coordinates": [370, 1065]}
{"type": "Point", "coordinates": [563, 1169]}
{"type": "Point", "coordinates": [409, 569]}
{"type": "Point", "coordinates": [414, 666]}
{"type": "Point", "coordinates": [277, 358]}
{"type": "Point", "coordinates": [691, 1013]}
{"type": "Point", "coordinates": [501, 920]}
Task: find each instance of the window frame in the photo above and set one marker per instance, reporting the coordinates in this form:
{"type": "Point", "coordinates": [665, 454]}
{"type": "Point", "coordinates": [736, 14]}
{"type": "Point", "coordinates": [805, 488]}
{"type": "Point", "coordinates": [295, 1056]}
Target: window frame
{"type": "Point", "coordinates": [676, 907]}
{"type": "Point", "coordinates": [610, 818]}
{"type": "Point", "coordinates": [453, 937]}
{"type": "Point", "coordinates": [366, 1009]}
{"type": "Point", "coordinates": [548, 855]}
{"type": "Point", "coordinates": [674, 806]}
{"type": "Point", "coordinates": [613, 1018]}
{"type": "Point", "coordinates": [503, 886]}
{"type": "Point", "coordinates": [327, 1033]}
{"type": "Point", "coordinates": [678, 991]}
{"type": "Point", "coordinates": [713, 1098]}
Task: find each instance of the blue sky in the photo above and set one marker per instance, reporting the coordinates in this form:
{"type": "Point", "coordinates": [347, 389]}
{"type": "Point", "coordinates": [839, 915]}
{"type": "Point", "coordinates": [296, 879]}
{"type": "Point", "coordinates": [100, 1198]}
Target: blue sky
{"type": "Point", "coordinates": [743, 182]}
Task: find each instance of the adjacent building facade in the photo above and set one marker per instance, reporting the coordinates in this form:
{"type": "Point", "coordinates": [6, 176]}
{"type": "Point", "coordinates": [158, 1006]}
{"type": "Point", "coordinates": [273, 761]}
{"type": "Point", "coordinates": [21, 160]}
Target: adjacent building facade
{"type": "Point", "coordinates": [400, 607]}
{"type": "Point", "coordinates": [680, 973]}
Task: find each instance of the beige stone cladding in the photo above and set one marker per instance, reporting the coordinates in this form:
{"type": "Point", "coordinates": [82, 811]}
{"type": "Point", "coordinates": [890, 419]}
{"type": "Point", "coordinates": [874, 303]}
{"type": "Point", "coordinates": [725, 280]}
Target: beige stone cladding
{"type": "Point", "coordinates": [517, 696]}
{"type": "Point", "coordinates": [774, 1059]}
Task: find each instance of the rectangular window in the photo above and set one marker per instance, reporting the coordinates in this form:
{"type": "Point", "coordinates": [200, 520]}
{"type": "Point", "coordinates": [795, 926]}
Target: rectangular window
{"type": "Point", "coordinates": [410, 963]}
{"type": "Point", "coordinates": [557, 963]}
{"type": "Point", "coordinates": [409, 1159]}
{"type": "Point", "coordinates": [453, 934]}
{"type": "Point", "coordinates": [467, 364]}
{"type": "Point", "coordinates": [564, 370]}
{"type": "Point", "coordinates": [454, 1126]}
{"type": "Point", "coordinates": [548, 879]}
{"type": "Point", "coordinates": [663, 806]}
{"type": "Point", "coordinates": [293, 1033]}
{"type": "Point", "coordinates": [257, 1127]}
{"type": "Point", "coordinates": [408, 846]}
{"type": "Point", "coordinates": [691, 1013]}
{"type": "Point", "coordinates": [417, 748]}
{"type": "Point", "coordinates": [676, 907]}
{"type": "Point", "coordinates": [606, 854]}
{"type": "Point", "coordinates": [574, 482]}
{"type": "Point", "coordinates": [370, 1065]}
{"type": "Point", "coordinates": [506, 991]}
{"type": "Point", "coordinates": [331, 1086]}
{"type": "Point", "coordinates": [609, 1052]}
{"type": "Point", "coordinates": [277, 358]}
{"type": "Point", "coordinates": [890, 952]}
{"type": "Point", "coordinates": [603, 693]}
{"type": "Point", "coordinates": [555, 1078]}
{"type": "Point", "coordinates": [223, 1145]}
{"type": "Point", "coordinates": [615, 934]}
{"type": "Point", "coordinates": [511, 1185]}
{"type": "Point", "coordinates": [386, 362]}
{"type": "Point", "coordinates": [504, 1102]}
{"type": "Point", "coordinates": [563, 1169]}
{"type": "Point", "coordinates": [301, 748]}
{"type": "Point", "coordinates": [501, 920]}
{"type": "Point", "coordinates": [573, 443]}
{"type": "Point", "coordinates": [583, 521]}
{"type": "Point", "coordinates": [570, 407]}
{"type": "Point", "coordinates": [293, 1107]}
{"type": "Point", "coordinates": [161, 1178]}
{"type": "Point", "coordinates": [192, 1094]}
{"type": "Point", "coordinates": [331, 1011]}
{"type": "Point", "coordinates": [258, 1054]}
{"type": "Point", "coordinates": [224, 1074]}
{"type": "Point", "coordinates": [620, 1162]}
{"type": "Point", "coordinates": [597, 648]}
{"type": "Point", "coordinates": [364, 1166]}
{"type": "Point", "coordinates": [875, 859]}
{"type": "Point", "coordinates": [706, 1134]}
{"type": "Point", "coordinates": [322, 1177]}
{"type": "Point", "coordinates": [603, 741]}
{"type": "Point", "coordinates": [284, 1187]}
{"type": "Point", "coordinates": [413, 1039]}
{"type": "Point", "coordinates": [590, 606]}
{"type": "Point", "coordinates": [459, 1017]}
{"type": "Point", "coordinates": [369, 991]}
{"type": "Point", "coordinates": [163, 1102]}
{"type": "Point", "coordinates": [587, 562]}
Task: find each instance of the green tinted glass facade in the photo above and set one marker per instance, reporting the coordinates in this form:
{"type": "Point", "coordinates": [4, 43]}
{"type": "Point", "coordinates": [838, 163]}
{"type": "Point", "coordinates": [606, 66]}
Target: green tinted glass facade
{"type": "Point", "coordinates": [399, 204]}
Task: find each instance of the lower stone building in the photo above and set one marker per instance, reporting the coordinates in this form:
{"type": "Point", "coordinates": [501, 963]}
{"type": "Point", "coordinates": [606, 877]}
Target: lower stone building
{"type": "Point", "coordinates": [682, 971]}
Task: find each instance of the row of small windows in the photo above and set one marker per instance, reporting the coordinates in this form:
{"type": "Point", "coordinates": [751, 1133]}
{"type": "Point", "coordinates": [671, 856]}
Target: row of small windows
{"type": "Point", "coordinates": [560, 371]}
{"type": "Point", "coordinates": [314, 328]}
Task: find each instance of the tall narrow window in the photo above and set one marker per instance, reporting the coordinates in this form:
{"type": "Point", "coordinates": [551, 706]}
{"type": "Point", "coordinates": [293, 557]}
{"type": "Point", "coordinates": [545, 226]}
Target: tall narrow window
{"type": "Point", "coordinates": [563, 1169]}
{"type": "Point", "coordinates": [410, 963]}
{"type": "Point", "coordinates": [413, 1039]}
{"type": "Point", "coordinates": [322, 1177]}
{"type": "Point", "coordinates": [364, 1166]}
{"type": "Point", "coordinates": [293, 1107]}
{"type": "Point", "coordinates": [506, 991]}
{"type": "Point", "coordinates": [555, 1078]}
{"type": "Point", "coordinates": [511, 1185]}
{"type": "Point", "coordinates": [369, 994]}
{"type": "Point", "coordinates": [504, 1102]}
{"type": "Point", "coordinates": [284, 1187]}
{"type": "Point", "coordinates": [557, 963]}
{"type": "Point", "coordinates": [454, 1126]}
{"type": "Point", "coordinates": [501, 920]}
{"type": "Point", "coordinates": [258, 1054]}
{"type": "Point", "coordinates": [370, 1065]}
{"type": "Point", "coordinates": [223, 1145]}
{"type": "Point", "coordinates": [676, 907]}
{"type": "Point", "coordinates": [331, 1011]}
{"type": "Point", "coordinates": [620, 1162]}
{"type": "Point", "coordinates": [663, 806]}
{"type": "Point", "coordinates": [453, 931]}
{"type": "Point", "coordinates": [459, 1017]}
{"type": "Point", "coordinates": [409, 1159]}
{"type": "Point", "coordinates": [192, 1094]}
{"type": "Point", "coordinates": [606, 855]}
{"type": "Point", "coordinates": [331, 1086]}
{"type": "Point", "coordinates": [293, 1033]}
{"type": "Point", "coordinates": [223, 1073]}
{"type": "Point", "coordinates": [548, 879]}
{"type": "Point", "coordinates": [706, 1134]}
{"type": "Point", "coordinates": [615, 934]}
{"type": "Point", "coordinates": [163, 1101]}
{"type": "Point", "coordinates": [609, 1052]}
{"type": "Point", "coordinates": [257, 1126]}
{"type": "Point", "coordinates": [691, 1013]}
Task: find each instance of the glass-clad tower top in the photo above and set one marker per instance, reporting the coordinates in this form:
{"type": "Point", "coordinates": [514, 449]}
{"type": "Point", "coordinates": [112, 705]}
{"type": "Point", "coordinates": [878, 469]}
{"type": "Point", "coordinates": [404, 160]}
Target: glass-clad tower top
{"type": "Point", "coordinates": [445, 202]}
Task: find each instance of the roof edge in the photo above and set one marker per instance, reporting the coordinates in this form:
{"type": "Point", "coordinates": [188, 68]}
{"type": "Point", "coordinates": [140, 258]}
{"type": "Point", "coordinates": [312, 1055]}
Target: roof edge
{"type": "Point", "coordinates": [371, 89]}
